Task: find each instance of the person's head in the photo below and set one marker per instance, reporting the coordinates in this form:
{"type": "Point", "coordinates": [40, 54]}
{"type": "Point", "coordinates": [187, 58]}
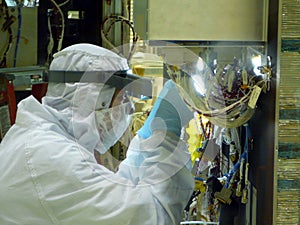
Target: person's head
{"type": "Point", "coordinates": [95, 120]}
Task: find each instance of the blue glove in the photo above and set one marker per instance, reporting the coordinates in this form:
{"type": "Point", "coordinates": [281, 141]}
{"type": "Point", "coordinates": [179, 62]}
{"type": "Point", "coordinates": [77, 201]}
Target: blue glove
{"type": "Point", "coordinates": [169, 113]}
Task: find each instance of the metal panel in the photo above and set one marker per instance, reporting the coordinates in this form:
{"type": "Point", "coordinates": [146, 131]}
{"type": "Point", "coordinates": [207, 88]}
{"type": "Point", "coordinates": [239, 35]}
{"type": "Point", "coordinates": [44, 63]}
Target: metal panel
{"type": "Point", "coordinates": [287, 186]}
{"type": "Point", "coordinates": [140, 17]}
{"type": "Point", "coordinates": [27, 49]}
{"type": "Point", "coordinates": [288, 165]}
{"type": "Point", "coordinates": [235, 20]}
{"type": "Point", "coordinates": [290, 19]}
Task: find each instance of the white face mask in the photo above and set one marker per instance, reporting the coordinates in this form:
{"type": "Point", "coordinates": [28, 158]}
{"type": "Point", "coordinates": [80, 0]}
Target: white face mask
{"type": "Point", "coordinates": [112, 123]}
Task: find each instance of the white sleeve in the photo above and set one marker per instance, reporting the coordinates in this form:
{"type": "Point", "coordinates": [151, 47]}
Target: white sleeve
{"type": "Point", "coordinates": [160, 162]}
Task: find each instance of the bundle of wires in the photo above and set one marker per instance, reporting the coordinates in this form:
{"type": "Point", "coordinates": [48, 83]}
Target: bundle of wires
{"type": "Point", "coordinates": [222, 97]}
{"type": "Point", "coordinates": [61, 36]}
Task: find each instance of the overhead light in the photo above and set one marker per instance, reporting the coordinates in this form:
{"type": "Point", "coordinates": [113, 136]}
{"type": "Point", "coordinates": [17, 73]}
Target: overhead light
{"type": "Point", "coordinates": [22, 3]}
{"type": "Point", "coordinates": [256, 62]}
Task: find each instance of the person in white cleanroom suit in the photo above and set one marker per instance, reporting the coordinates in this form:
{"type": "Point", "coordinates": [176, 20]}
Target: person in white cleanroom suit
{"type": "Point", "coordinates": [48, 172]}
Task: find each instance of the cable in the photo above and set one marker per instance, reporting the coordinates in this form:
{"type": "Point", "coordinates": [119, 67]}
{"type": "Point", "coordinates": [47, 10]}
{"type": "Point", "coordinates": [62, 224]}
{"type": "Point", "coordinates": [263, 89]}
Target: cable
{"type": "Point", "coordinates": [51, 41]}
{"type": "Point", "coordinates": [8, 18]}
{"type": "Point", "coordinates": [244, 156]}
{"type": "Point", "coordinates": [62, 4]}
{"type": "Point", "coordinates": [60, 39]}
{"type": "Point", "coordinates": [109, 22]}
{"type": "Point", "coordinates": [18, 34]}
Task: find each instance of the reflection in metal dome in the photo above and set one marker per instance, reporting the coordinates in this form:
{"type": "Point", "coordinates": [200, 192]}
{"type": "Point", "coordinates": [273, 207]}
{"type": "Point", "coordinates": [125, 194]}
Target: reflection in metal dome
{"type": "Point", "coordinates": [221, 95]}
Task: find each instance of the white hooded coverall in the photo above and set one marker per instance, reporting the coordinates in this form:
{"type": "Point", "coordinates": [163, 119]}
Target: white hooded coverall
{"type": "Point", "coordinates": [49, 174]}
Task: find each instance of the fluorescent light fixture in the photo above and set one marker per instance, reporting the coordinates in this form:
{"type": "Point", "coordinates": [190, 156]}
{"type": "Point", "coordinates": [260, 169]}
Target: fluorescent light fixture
{"type": "Point", "coordinates": [23, 3]}
{"type": "Point", "coordinates": [75, 15]}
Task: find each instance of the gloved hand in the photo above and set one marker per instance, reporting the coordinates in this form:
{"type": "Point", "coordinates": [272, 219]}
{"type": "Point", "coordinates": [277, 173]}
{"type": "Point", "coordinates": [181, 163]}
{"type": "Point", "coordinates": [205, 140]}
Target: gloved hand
{"type": "Point", "coordinates": [169, 113]}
